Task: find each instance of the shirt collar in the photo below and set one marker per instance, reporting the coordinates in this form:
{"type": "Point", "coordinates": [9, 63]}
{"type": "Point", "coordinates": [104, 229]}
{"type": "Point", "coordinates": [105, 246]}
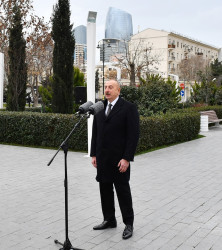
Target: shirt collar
{"type": "Point", "coordinates": [114, 102]}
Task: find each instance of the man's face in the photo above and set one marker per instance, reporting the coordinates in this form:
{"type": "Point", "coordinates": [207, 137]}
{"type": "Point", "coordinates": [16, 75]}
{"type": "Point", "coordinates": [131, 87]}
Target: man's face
{"type": "Point", "coordinates": [112, 90]}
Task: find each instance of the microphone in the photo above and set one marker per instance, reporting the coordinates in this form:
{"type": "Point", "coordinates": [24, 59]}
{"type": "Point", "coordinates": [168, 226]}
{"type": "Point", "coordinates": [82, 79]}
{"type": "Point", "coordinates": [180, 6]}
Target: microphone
{"type": "Point", "coordinates": [84, 107]}
{"type": "Point", "coordinates": [95, 108]}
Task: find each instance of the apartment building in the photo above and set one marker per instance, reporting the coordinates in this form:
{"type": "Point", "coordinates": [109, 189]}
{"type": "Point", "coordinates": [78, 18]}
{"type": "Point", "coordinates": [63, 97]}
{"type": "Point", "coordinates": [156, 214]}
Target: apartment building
{"type": "Point", "coordinates": [169, 49]}
{"type": "Point", "coordinates": [173, 47]}
{"type": "Point", "coordinates": [80, 57]}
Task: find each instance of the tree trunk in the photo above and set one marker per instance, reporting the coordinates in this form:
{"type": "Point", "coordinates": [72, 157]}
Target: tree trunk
{"type": "Point", "coordinates": [132, 75]}
{"type": "Point", "coordinates": [35, 101]}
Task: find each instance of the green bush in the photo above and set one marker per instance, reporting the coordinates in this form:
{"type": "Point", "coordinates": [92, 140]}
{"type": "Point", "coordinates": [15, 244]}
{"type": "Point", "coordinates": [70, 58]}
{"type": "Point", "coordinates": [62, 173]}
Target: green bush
{"type": "Point", "coordinates": [46, 95]}
{"type": "Point", "coordinates": [29, 109]}
{"type": "Point", "coordinates": [206, 92]}
{"type": "Point", "coordinates": [33, 109]}
{"type": "Point", "coordinates": [216, 108]}
{"type": "Point", "coordinates": [36, 129]}
{"type": "Point", "coordinates": [154, 96]}
{"type": "Point", "coordinates": [49, 130]}
{"type": "Point", "coordinates": [162, 130]}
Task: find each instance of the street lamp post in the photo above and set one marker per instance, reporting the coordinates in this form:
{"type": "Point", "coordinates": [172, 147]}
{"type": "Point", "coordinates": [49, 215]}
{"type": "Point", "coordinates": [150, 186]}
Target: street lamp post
{"type": "Point", "coordinates": [1, 71]}
{"type": "Point", "coordinates": [103, 53]}
{"type": "Point", "coordinates": [103, 65]}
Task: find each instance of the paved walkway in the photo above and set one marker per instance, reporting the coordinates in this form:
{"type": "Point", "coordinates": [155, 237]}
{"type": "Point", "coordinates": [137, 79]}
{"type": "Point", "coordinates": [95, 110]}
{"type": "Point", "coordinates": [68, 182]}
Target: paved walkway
{"type": "Point", "coordinates": [177, 193]}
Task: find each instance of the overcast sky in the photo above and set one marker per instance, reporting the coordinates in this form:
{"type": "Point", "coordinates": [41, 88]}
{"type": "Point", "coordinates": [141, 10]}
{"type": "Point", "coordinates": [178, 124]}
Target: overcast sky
{"type": "Point", "coordinates": [198, 19]}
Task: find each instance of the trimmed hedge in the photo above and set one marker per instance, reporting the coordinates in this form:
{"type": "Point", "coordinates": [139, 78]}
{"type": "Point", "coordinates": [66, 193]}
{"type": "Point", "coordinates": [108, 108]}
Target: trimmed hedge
{"type": "Point", "coordinates": [216, 108]}
{"type": "Point", "coordinates": [167, 129]}
{"type": "Point", "coordinates": [49, 130]}
{"type": "Point", "coordinates": [29, 109]}
{"type": "Point", "coordinates": [36, 129]}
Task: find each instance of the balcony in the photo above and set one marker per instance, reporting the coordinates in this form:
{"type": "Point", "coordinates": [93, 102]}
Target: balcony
{"type": "Point", "coordinates": [171, 46]}
{"type": "Point", "coordinates": [199, 53]}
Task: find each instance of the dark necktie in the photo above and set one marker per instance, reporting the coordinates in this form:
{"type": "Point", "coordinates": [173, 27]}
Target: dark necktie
{"type": "Point", "coordinates": [109, 109]}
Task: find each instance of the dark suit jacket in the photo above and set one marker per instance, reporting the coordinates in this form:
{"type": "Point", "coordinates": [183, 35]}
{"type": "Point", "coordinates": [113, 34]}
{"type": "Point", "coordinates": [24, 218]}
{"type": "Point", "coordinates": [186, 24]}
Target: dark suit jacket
{"type": "Point", "coordinates": [115, 138]}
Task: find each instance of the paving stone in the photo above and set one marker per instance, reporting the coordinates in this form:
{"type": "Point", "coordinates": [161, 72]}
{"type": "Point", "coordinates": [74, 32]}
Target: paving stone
{"type": "Point", "coordinates": [177, 195]}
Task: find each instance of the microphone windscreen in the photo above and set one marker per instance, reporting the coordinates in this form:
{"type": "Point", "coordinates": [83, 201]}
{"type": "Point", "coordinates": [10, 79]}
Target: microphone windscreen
{"type": "Point", "coordinates": [85, 107]}
{"type": "Point", "coordinates": [96, 108]}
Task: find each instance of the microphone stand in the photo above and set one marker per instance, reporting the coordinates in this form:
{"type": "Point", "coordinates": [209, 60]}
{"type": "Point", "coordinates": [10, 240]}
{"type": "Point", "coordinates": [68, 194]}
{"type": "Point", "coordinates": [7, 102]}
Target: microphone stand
{"type": "Point", "coordinates": [64, 146]}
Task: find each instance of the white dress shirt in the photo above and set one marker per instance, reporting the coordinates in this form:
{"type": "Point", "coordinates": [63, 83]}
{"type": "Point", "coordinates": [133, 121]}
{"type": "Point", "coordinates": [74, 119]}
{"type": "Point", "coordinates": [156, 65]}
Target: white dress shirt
{"type": "Point", "coordinates": [113, 103]}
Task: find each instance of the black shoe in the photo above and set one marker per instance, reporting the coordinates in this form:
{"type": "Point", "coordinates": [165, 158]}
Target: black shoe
{"type": "Point", "coordinates": [106, 224]}
{"type": "Point", "coordinates": [128, 232]}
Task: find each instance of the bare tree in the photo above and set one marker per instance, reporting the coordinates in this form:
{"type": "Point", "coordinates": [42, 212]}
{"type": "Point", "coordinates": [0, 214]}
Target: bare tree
{"type": "Point", "coordinates": [138, 59]}
{"type": "Point", "coordinates": [38, 39]}
{"type": "Point", "coordinates": [6, 16]}
{"type": "Point", "coordinates": [190, 67]}
{"type": "Point", "coordinates": [39, 55]}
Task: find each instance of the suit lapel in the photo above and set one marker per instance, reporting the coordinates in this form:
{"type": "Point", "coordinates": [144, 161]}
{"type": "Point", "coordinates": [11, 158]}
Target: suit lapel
{"type": "Point", "coordinates": [116, 108]}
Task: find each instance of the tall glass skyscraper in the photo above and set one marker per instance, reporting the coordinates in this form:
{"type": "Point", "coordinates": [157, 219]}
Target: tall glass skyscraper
{"type": "Point", "coordinates": [118, 24]}
{"type": "Point", "coordinates": [80, 34]}
{"type": "Point", "coordinates": [118, 30]}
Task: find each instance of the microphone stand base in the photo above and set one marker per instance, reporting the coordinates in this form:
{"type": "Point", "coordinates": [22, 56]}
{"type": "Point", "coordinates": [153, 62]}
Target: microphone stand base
{"type": "Point", "coordinates": [67, 245]}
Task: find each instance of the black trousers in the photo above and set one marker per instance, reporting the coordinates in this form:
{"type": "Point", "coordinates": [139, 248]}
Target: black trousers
{"type": "Point", "coordinates": [125, 201]}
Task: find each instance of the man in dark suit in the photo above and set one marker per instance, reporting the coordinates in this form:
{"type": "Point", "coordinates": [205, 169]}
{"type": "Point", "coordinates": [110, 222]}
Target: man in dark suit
{"type": "Point", "coordinates": [114, 139]}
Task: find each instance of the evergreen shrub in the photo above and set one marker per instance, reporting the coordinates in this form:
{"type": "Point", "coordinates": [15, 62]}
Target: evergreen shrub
{"type": "Point", "coordinates": [167, 129]}
{"type": "Point", "coordinates": [49, 130]}
{"type": "Point", "coordinates": [33, 109]}
{"type": "Point", "coordinates": [36, 129]}
{"type": "Point", "coordinates": [216, 108]}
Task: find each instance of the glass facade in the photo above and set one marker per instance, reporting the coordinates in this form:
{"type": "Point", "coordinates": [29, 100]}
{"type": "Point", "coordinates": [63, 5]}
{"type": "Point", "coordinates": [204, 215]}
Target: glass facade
{"type": "Point", "coordinates": [118, 25]}
{"type": "Point", "coordinates": [80, 34]}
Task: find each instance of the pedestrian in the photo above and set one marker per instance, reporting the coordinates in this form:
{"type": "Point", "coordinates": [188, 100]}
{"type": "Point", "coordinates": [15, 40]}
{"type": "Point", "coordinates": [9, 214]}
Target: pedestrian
{"type": "Point", "coordinates": [115, 136]}
{"type": "Point", "coordinates": [29, 100]}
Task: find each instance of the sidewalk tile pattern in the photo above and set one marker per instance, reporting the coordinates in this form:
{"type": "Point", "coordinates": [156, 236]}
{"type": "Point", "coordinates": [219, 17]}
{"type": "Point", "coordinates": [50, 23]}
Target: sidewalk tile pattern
{"type": "Point", "coordinates": [177, 195]}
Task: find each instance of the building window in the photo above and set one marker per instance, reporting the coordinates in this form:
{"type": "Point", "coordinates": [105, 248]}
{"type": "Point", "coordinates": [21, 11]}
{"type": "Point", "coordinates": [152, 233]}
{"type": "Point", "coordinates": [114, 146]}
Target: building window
{"type": "Point", "coordinates": [178, 44]}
